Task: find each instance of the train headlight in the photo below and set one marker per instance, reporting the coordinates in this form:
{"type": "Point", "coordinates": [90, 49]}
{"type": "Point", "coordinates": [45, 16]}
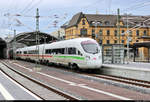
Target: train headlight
{"type": "Point", "coordinates": [88, 57]}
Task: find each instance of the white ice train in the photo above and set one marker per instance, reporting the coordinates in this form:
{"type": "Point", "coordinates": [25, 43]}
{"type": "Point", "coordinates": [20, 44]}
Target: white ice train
{"type": "Point", "coordinates": [83, 53]}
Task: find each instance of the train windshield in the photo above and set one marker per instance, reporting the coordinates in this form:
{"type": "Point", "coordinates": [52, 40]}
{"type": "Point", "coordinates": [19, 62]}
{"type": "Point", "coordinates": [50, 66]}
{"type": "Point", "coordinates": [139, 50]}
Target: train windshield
{"type": "Point", "coordinates": [90, 47]}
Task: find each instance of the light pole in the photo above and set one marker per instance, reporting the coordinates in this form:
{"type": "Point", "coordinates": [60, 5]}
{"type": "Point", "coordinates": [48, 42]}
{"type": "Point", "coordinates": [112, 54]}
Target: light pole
{"type": "Point", "coordinates": [127, 41]}
{"type": "Point", "coordinates": [118, 25]}
{"type": "Point", "coordinates": [44, 46]}
{"type": "Point", "coordinates": [37, 38]}
{"type": "Point", "coordinates": [14, 46]}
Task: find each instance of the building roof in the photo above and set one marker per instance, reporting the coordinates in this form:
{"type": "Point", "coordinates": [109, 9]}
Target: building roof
{"type": "Point", "coordinates": [29, 38]}
{"type": "Point", "coordinates": [103, 19]}
{"type": "Point", "coordinates": [109, 20]}
{"type": "Point", "coordinates": [75, 19]}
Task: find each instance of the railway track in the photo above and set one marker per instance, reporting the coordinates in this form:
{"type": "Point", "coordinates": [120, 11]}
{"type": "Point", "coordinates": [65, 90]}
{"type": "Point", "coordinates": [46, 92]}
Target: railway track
{"type": "Point", "coordinates": [130, 81]}
{"type": "Point", "coordinates": [59, 92]}
{"type": "Point", "coordinates": [122, 80]}
{"type": "Point", "coordinates": [135, 82]}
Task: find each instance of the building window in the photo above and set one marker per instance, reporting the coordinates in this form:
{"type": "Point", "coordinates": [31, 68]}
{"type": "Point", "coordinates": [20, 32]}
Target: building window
{"type": "Point", "coordinates": [108, 32]}
{"type": "Point", "coordinates": [100, 32]}
{"type": "Point", "coordinates": [122, 33]}
{"type": "Point", "coordinates": [100, 23]}
{"type": "Point", "coordinates": [115, 32]}
{"type": "Point", "coordinates": [93, 36]}
{"type": "Point", "coordinates": [108, 42]}
{"type": "Point", "coordinates": [96, 35]}
{"type": "Point", "coordinates": [130, 33]}
{"type": "Point", "coordinates": [115, 41]}
{"type": "Point", "coordinates": [100, 41]}
{"type": "Point", "coordinates": [107, 22]}
{"type": "Point", "coordinates": [83, 32]}
{"type": "Point", "coordinates": [137, 32]}
{"type": "Point", "coordinates": [93, 31]}
{"type": "Point", "coordinates": [83, 22]}
{"type": "Point", "coordinates": [123, 41]}
{"type": "Point", "coordinates": [145, 33]}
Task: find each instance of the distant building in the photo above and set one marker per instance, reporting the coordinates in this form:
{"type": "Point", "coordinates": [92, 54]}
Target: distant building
{"type": "Point", "coordinates": [59, 34]}
{"type": "Point", "coordinates": [103, 28]}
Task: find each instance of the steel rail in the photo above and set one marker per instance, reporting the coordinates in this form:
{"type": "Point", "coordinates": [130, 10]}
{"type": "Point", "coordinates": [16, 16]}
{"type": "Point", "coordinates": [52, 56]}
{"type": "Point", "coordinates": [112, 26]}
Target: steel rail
{"type": "Point", "coordinates": [125, 80]}
{"type": "Point", "coordinates": [131, 81]}
{"type": "Point", "coordinates": [20, 83]}
{"type": "Point", "coordinates": [57, 91]}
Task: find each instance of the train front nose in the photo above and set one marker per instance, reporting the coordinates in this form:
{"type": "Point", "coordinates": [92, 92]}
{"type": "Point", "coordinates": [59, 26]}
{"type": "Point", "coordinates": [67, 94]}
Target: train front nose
{"type": "Point", "coordinates": [94, 62]}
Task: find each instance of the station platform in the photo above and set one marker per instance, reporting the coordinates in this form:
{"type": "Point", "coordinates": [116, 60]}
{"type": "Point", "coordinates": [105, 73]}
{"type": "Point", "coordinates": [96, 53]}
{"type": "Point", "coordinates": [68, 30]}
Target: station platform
{"type": "Point", "coordinates": [131, 65]}
{"type": "Point", "coordinates": [135, 70]}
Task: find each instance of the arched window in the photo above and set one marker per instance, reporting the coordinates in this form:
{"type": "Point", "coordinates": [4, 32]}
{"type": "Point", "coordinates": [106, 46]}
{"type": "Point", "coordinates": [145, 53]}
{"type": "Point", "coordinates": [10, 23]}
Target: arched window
{"type": "Point", "coordinates": [145, 33]}
{"type": "Point", "coordinates": [130, 32]}
{"type": "Point", "coordinates": [100, 32]}
{"type": "Point", "coordinates": [83, 22]}
{"type": "Point", "coordinates": [115, 32]}
{"type": "Point", "coordinates": [93, 31]}
{"type": "Point", "coordinates": [108, 32]}
{"type": "Point", "coordinates": [137, 32]}
{"type": "Point", "coordinates": [107, 22]}
{"type": "Point", "coordinates": [100, 23]}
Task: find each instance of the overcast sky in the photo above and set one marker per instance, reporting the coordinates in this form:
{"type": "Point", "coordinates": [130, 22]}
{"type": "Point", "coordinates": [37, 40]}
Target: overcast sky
{"type": "Point", "coordinates": [60, 11]}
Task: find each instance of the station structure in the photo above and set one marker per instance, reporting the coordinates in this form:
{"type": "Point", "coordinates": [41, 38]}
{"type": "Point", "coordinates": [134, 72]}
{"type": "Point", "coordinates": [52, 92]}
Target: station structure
{"type": "Point", "coordinates": [22, 40]}
{"type": "Point", "coordinates": [3, 47]}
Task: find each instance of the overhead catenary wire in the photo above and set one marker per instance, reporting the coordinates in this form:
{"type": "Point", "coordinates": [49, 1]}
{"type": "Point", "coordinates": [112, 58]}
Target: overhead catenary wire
{"type": "Point", "coordinates": [136, 26]}
{"type": "Point", "coordinates": [27, 6]}
{"type": "Point", "coordinates": [33, 6]}
{"type": "Point", "coordinates": [136, 6]}
{"type": "Point", "coordinates": [22, 24]}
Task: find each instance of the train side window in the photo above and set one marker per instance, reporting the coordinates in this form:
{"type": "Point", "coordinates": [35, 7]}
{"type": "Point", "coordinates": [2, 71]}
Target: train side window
{"type": "Point", "coordinates": [59, 51]}
{"type": "Point", "coordinates": [25, 52]}
{"type": "Point", "coordinates": [46, 51]}
{"type": "Point", "coordinates": [55, 50]}
{"type": "Point", "coordinates": [63, 50]}
{"type": "Point", "coordinates": [50, 51]}
{"type": "Point", "coordinates": [69, 50]}
{"type": "Point", "coordinates": [72, 51]}
{"type": "Point", "coordinates": [79, 53]}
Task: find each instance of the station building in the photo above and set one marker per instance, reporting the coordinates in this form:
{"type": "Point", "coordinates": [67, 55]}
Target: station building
{"type": "Point", "coordinates": [103, 28]}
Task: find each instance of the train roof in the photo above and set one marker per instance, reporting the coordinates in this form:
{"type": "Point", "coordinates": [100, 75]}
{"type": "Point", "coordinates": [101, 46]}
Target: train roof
{"type": "Point", "coordinates": [74, 40]}
{"type": "Point", "coordinates": [61, 43]}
